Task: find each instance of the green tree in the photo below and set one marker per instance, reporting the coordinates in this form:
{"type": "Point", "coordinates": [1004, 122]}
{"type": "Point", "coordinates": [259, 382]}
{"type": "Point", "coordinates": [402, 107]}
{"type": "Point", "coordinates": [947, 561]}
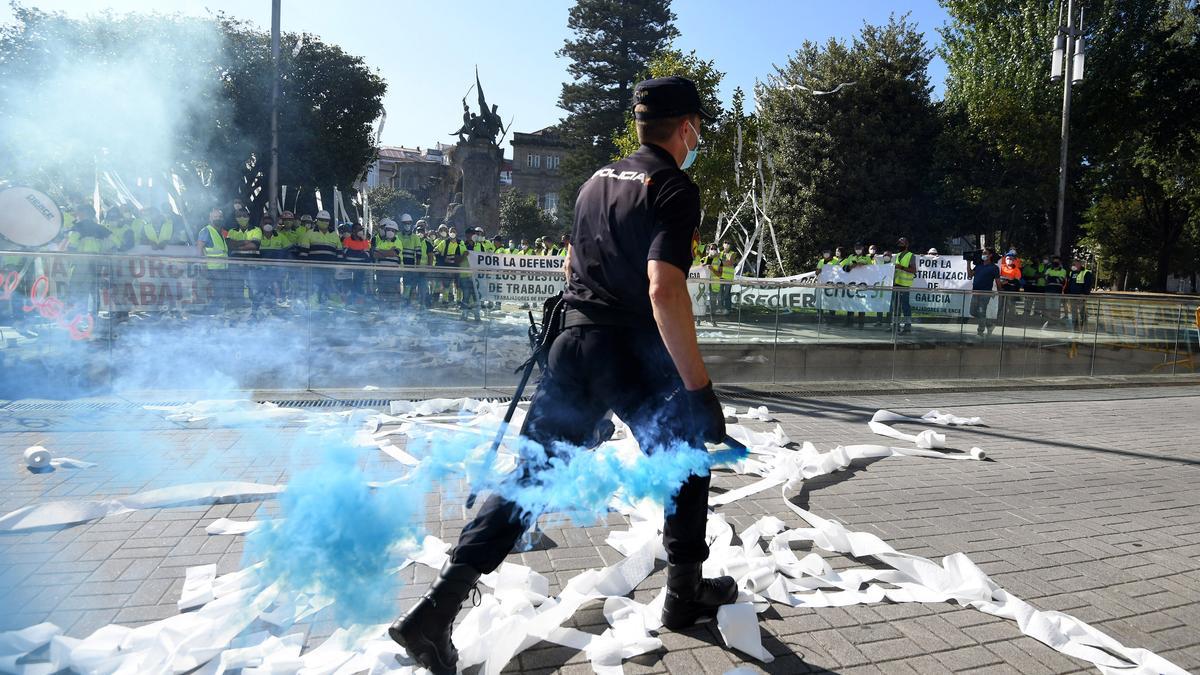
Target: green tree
{"type": "Point", "coordinates": [1135, 137]}
{"type": "Point", "coordinates": [855, 165]}
{"type": "Point", "coordinates": [521, 218]}
{"type": "Point", "coordinates": [389, 202]}
{"type": "Point", "coordinates": [1140, 133]}
{"type": "Point", "coordinates": [719, 168]}
{"type": "Point", "coordinates": [613, 41]}
{"type": "Point", "coordinates": [999, 161]}
{"type": "Point", "coordinates": [329, 101]}
{"type": "Point", "coordinates": [151, 95]}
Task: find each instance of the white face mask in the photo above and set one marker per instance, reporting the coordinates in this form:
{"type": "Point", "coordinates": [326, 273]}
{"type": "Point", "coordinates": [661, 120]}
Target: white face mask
{"type": "Point", "coordinates": [690, 157]}
{"type": "Point", "coordinates": [887, 258]}
{"type": "Point", "coordinates": [268, 228]}
{"type": "Point", "coordinates": [858, 251]}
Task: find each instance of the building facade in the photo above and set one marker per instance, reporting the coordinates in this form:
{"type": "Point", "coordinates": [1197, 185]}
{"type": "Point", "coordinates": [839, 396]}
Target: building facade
{"type": "Point", "coordinates": [535, 166]}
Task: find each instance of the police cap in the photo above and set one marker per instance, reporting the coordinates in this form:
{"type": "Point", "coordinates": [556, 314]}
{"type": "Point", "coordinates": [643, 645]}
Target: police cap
{"type": "Point", "coordinates": [668, 97]}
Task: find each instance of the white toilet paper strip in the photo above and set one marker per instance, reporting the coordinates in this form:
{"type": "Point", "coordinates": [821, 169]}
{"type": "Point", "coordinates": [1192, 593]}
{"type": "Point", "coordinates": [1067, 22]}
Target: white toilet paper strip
{"type": "Point", "coordinates": [37, 457]}
{"type": "Point", "coordinates": [931, 417]}
{"type": "Point", "coordinates": [227, 526]}
{"type": "Point", "coordinates": [52, 514]}
{"type": "Point", "coordinates": [519, 612]}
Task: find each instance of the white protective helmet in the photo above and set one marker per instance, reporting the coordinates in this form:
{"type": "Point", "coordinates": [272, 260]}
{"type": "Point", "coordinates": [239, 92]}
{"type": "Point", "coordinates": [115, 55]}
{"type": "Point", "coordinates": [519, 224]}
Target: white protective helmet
{"type": "Point", "coordinates": [405, 218]}
{"type": "Point", "coordinates": [323, 215]}
{"type": "Point", "coordinates": [389, 224]}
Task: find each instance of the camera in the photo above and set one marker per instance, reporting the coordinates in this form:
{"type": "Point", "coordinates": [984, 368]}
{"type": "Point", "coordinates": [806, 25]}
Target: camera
{"type": "Point", "coordinates": [973, 256]}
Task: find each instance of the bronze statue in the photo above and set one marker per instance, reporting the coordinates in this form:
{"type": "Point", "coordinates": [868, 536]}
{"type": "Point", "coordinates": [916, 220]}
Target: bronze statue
{"type": "Point", "coordinates": [484, 127]}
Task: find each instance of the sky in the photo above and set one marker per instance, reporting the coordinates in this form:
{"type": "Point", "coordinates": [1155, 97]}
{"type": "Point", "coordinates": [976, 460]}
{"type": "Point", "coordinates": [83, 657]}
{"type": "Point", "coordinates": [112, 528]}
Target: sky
{"type": "Point", "coordinates": [427, 50]}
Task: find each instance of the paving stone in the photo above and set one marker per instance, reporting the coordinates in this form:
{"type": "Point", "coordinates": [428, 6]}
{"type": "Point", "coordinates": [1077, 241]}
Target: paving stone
{"type": "Point", "coordinates": [1088, 508]}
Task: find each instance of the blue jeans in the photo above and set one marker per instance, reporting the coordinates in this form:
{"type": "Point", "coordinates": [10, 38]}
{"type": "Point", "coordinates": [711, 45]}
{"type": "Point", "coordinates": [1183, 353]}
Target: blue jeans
{"type": "Point", "coordinates": [902, 305]}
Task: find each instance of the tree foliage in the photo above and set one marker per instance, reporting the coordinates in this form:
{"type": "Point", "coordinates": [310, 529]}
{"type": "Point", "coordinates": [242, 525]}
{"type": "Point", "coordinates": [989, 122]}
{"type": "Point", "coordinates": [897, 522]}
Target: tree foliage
{"type": "Point", "coordinates": [719, 168]}
{"type": "Point", "coordinates": [201, 87]}
{"type": "Point", "coordinates": [389, 202]}
{"type": "Point", "coordinates": [1000, 158]}
{"type": "Point", "coordinates": [856, 165]}
{"type": "Point", "coordinates": [521, 218]}
{"type": "Point", "coordinates": [1135, 136]}
{"type": "Point", "coordinates": [612, 43]}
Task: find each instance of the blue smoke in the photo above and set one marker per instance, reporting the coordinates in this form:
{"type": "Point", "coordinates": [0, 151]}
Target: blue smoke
{"type": "Point", "coordinates": [337, 533]}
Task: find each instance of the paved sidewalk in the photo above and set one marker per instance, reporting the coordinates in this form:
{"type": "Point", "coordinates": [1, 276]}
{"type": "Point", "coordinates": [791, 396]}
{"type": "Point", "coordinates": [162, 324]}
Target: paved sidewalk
{"type": "Point", "coordinates": [1090, 507]}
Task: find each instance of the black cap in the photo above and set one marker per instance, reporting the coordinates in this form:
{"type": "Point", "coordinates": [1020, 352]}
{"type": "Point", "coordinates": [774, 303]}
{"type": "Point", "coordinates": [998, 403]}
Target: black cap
{"type": "Point", "coordinates": [668, 97]}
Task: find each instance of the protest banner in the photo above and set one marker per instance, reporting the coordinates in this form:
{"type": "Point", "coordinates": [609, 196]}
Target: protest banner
{"type": "Point", "coordinates": [704, 300]}
{"type": "Point", "coordinates": [134, 283]}
{"type": "Point", "coordinates": [153, 283]}
{"type": "Point", "coordinates": [937, 273]}
{"type": "Point", "coordinates": [858, 290]}
{"type": "Point", "coordinates": [520, 279]}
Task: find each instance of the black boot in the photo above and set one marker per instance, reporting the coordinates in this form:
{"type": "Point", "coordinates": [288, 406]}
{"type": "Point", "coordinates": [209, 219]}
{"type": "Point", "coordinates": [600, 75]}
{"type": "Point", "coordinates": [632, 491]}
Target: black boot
{"type": "Point", "coordinates": [691, 597]}
{"type": "Point", "coordinates": [424, 631]}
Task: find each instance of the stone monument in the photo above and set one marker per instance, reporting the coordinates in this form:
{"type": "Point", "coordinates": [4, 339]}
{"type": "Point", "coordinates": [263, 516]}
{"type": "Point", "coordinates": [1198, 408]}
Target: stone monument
{"type": "Point", "coordinates": [477, 157]}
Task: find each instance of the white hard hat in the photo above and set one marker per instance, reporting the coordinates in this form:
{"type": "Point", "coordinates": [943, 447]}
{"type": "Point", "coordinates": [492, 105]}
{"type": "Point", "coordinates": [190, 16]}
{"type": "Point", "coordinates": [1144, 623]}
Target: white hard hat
{"type": "Point", "coordinates": [389, 224]}
{"type": "Point", "coordinates": [932, 251]}
{"type": "Point", "coordinates": [405, 218]}
{"type": "Point", "coordinates": [323, 215]}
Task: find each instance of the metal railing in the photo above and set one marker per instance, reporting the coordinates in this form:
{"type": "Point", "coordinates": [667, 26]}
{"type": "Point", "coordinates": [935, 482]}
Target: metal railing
{"type": "Point", "coordinates": [73, 324]}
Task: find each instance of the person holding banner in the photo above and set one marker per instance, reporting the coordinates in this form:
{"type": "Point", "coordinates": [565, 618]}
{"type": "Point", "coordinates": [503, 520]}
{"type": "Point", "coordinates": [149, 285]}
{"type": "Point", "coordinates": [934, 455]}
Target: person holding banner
{"type": "Point", "coordinates": [859, 259]}
{"type": "Point", "coordinates": [906, 270]}
{"type": "Point", "coordinates": [627, 345]}
{"type": "Point", "coordinates": [825, 259]}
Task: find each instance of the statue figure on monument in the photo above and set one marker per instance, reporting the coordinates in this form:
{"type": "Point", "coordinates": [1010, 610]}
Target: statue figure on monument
{"type": "Point", "coordinates": [483, 128]}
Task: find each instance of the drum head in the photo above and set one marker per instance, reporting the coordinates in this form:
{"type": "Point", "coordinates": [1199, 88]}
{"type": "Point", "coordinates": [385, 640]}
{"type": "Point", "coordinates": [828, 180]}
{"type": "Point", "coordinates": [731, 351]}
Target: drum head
{"type": "Point", "coordinates": [28, 218]}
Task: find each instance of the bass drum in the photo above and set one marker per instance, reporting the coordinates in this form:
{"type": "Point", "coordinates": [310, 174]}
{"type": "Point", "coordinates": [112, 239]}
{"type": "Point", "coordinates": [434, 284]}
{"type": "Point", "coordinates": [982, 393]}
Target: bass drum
{"type": "Point", "coordinates": [28, 218]}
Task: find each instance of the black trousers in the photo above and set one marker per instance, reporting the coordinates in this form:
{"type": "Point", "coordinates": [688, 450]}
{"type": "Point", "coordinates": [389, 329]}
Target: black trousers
{"type": "Point", "coordinates": [594, 369]}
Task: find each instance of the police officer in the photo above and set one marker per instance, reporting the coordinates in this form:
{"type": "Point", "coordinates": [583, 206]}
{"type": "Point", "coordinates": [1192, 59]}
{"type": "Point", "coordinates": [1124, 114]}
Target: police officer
{"type": "Point", "coordinates": [627, 345]}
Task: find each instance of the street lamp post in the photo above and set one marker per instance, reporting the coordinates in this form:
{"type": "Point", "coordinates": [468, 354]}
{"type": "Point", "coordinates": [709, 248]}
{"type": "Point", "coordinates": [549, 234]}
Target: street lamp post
{"type": "Point", "coordinates": [1068, 56]}
{"type": "Point", "coordinates": [273, 172]}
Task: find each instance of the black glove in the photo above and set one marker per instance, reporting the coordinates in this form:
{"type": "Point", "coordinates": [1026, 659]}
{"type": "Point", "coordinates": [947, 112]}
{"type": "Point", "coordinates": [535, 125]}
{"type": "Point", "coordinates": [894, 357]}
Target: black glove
{"type": "Point", "coordinates": [706, 414]}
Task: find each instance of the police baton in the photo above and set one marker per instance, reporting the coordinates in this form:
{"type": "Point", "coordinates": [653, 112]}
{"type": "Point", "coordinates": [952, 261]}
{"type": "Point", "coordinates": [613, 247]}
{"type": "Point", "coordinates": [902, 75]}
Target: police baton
{"type": "Point", "coordinates": [508, 415]}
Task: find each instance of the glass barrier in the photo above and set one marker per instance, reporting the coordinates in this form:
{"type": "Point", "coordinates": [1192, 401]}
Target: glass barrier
{"type": "Point", "coordinates": [73, 325]}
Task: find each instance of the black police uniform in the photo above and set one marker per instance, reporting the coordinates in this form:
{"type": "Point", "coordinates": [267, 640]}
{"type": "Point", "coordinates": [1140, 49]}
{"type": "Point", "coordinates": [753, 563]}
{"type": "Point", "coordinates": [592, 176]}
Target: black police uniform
{"type": "Point", "coordinates": [610, 355]}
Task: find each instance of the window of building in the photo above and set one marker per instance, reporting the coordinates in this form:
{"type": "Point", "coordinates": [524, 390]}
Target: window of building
{"type": "Point", "coordinates": [550, 202]}
{"type": "Point", "coordinates": [552, 161]}
{"type": "Point", "coordinates": [533, 161]}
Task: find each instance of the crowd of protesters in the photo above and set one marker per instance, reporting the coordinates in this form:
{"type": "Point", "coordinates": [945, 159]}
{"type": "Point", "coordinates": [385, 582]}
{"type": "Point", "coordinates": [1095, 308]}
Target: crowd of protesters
{"type": "Point", "coordinates": [411, 246]}
{"type": "Point", "coordinates": [1043, 281]}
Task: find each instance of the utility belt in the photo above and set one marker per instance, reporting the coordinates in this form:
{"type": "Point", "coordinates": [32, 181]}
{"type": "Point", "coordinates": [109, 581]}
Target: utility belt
{"type": "Point", "coordinates": [602, 316]}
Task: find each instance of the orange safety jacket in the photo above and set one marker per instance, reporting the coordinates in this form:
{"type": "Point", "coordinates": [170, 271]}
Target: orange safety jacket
{"type": "Point", "coordinates": [1010, 270]}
